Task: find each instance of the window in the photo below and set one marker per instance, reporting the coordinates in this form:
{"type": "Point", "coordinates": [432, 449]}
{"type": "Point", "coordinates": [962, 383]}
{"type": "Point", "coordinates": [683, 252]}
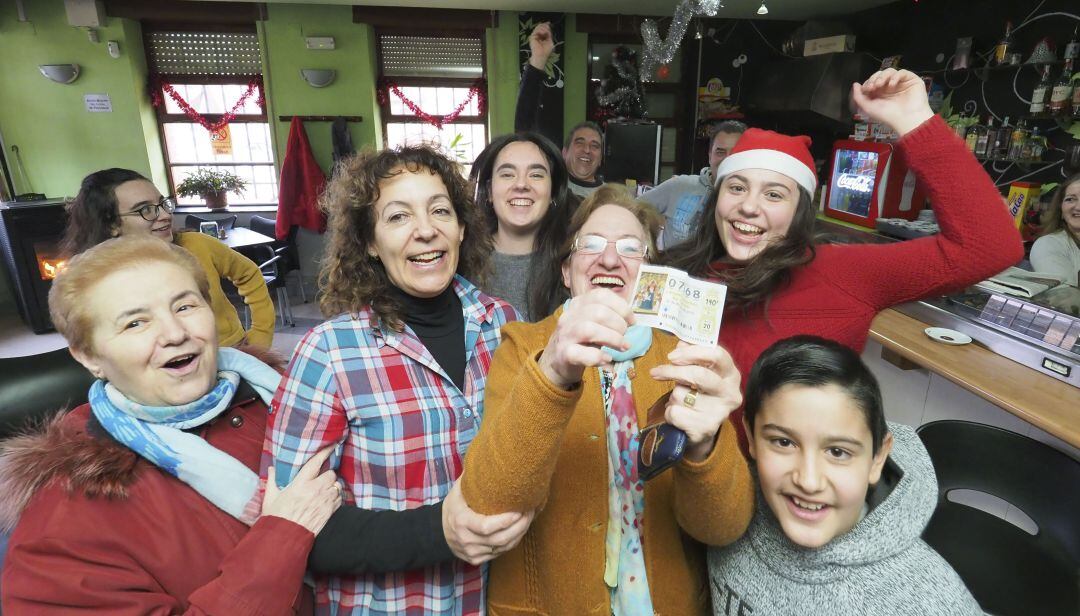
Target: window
{"type": "Point", "coordinates": [213, 72]}
{"type": "Point", "coordinates": [437, 75]}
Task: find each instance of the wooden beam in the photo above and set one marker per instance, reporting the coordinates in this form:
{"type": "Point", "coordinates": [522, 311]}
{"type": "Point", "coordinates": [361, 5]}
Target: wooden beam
{"type": "Point", "coordinates": [420, 19]}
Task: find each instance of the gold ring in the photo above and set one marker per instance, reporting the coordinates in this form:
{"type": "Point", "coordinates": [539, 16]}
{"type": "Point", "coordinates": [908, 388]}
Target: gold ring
{"type": "Point", "coordinates": [690, 398]}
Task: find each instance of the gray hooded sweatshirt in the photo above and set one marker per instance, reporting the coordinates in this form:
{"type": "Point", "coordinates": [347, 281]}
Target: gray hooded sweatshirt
{"type": "Point", "coordinates": [681, 200]}
{"type": "Point", "coordinates": [881, 566]}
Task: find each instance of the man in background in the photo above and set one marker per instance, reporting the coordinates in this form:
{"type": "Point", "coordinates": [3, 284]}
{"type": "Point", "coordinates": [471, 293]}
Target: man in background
{"type": "Point", "coordinates": [681, 198]}
{"type": "Point", "coordinates": [583, 150]}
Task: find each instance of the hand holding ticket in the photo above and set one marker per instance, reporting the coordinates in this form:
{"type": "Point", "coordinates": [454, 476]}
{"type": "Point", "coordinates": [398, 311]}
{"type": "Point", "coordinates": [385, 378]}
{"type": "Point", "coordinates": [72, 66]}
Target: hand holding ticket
{"type": "Point", "coordinates": [671, 300]}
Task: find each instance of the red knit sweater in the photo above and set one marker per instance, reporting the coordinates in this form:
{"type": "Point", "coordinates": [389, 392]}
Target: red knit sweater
{"type": "Point", "coordinates": [838, 293]}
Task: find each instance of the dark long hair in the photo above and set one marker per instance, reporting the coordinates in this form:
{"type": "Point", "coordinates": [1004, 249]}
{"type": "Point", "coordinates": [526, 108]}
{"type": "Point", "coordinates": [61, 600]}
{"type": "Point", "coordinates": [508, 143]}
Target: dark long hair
{"type": "Point", "coordinates": [1051, 218]}
{"type": "Point", "coordinates": [349, 278]}
{"type": "Point", "coordinates": [93, 216]}
{"type": "Point", "coordinates": [754, 282]}
{"type": "Point", "coordinates": [811, 361]}
{"type": "Point", "coordinates": [544, 285]}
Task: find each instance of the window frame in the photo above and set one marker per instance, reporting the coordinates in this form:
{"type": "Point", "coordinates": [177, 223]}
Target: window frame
{"type": "Point", "coordinates": [163, 117]}
{"type": "Point", "coordinates": [430, 82]}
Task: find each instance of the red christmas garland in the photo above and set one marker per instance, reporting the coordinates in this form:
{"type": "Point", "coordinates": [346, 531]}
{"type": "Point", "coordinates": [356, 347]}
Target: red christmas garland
{"type": "Point", "coordinates": [157, 86]}
{"type": "Point", "coordinates": [477, 90]}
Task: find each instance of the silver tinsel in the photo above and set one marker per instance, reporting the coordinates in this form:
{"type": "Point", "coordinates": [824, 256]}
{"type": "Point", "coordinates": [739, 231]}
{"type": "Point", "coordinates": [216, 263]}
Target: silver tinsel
{"type": "Point", "coordinates": [657, 51]}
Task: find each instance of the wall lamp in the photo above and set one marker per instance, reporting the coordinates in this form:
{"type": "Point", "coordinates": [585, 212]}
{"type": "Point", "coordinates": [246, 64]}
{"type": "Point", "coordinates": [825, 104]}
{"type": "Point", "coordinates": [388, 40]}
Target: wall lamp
{"type": "Point", "coordinates": [318, 77]}
{"type": "Point", "coordinates": [60, 73]}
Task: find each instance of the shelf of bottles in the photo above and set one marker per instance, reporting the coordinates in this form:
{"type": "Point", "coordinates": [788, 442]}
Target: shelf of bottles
{"type": "Point", "coordinates": [1055, 98]}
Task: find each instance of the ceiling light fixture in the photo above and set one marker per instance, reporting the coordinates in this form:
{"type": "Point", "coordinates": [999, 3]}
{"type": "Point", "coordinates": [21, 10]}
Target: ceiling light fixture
{"type": "Point", "coordinates": [763, 10]}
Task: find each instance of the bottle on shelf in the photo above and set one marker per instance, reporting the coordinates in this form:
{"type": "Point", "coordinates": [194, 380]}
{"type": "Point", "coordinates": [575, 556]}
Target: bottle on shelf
{"type": "Point", "coordinates": [1000, 148]}
{"type": "Point", "coordinates": [1076, 103]}
{"type": "Point", "coordinates": [1061, 95]}
{"type": "Point", "coordinates": [985, 140]}
{"type": "Point", "coordinates": [1019, 137]}
{"type": "Point", "coordinates": [1072, 49]}
{"type": "Point", "coordinates": [1040, 96]}
{"type": "Point", "coordinates": [1033, 146]}
{"type": "Point", "coordinates": [1004, 46]}
{"type": "Point", "coordinates": [975, 132]}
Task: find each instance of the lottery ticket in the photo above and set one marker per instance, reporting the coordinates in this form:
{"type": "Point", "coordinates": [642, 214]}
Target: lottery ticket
{"type": "Point", "coordinates": [671, 300]}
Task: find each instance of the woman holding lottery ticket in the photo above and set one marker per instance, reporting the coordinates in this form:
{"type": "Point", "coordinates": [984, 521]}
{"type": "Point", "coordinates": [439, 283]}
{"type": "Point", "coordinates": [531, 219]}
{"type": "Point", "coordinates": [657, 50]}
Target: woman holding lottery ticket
{"type": "Point", "coordinates": [566, 400]}
{"type": "Point", "coordinates": [781, 282]}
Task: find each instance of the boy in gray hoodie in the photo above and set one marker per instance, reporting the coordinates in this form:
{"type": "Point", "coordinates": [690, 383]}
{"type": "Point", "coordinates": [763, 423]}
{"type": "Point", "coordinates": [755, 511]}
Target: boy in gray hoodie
{"type": "Point", "coordinates": [843, 498]}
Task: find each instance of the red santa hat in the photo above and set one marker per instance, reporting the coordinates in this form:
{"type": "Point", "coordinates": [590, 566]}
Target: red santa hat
{"type": "Point", "coordinates": [765, 149]}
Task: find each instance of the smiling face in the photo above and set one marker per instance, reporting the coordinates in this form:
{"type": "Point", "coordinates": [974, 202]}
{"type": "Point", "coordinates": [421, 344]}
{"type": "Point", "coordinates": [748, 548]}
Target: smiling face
{"type": "Point", "coordinates": [153, 335]}
{"type": "Point", "coordinates": [815, 461]}
{"type": "Point", "coordinates": [607, 269]}
{"type": "Point", "coordinates": [1070, 208]}
{"type": "Point", "coordinates": [720, 148]}
{"type": "Point", "coordinates": [754, 208]}
{"type": "Point", "coordinates": [584, 154]}
{"type": "Point", "coordinates": [133, 195]}
{"type": "Point", "coordinates": [417, 233]}
{"type": "Point", "coordinates": [521, 187]}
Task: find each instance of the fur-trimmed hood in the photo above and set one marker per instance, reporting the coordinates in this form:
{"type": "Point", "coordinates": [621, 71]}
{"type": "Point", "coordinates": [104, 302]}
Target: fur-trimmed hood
{"type": "Point", "coordinates": [73, 449]}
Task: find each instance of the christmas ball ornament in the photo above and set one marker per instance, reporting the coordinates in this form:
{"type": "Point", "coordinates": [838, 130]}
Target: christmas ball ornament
{"type": "Point", "coordinates": [663, 72]}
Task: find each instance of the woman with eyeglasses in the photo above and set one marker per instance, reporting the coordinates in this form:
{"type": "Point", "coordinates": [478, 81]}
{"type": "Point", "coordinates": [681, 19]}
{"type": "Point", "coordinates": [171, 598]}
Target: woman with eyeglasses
{"type": "Point", "coordinates": [115, 202]}
{"type": "Point", "coordinates": [566, 400]}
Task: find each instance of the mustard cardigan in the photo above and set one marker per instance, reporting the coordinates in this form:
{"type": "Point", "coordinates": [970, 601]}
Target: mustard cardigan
{"type": "Point", "coordinates": [540, 447]}
{"type": "Point", "coordinates": [219, 261]}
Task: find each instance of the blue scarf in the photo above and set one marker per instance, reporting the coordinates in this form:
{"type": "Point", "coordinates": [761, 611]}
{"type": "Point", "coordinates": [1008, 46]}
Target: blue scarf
{"type": "Point", "coordinates": [157, 433]}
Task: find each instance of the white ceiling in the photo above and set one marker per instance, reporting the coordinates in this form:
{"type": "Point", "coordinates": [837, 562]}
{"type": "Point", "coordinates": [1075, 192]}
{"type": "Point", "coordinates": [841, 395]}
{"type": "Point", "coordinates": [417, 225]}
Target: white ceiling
{"type": "Point", "coordinates": [733, 9]}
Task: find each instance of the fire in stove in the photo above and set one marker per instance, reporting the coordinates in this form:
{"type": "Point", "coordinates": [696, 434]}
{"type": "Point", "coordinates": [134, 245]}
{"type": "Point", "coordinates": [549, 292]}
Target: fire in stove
{"type": "Point", "coordinates": [49, 268]}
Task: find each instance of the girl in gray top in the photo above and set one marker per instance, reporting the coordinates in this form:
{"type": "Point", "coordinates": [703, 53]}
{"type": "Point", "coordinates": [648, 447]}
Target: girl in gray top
{"type": "Point", "coordinates": [843, 498]}
{"type": "Point", "coordinates": [520, 185]}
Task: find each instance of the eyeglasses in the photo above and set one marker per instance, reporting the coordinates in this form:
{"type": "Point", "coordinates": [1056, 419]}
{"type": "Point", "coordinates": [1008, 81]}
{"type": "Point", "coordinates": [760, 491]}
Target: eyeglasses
{"type": "Point", "coordinates": [629, 247]}
{"type": "Point", "coordinates": [150, 211]}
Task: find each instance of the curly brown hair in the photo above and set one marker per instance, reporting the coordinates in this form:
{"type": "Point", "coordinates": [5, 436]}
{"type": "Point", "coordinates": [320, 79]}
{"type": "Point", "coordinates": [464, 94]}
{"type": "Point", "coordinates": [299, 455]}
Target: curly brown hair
{"type": "Point", "coordinates": [350, 280]}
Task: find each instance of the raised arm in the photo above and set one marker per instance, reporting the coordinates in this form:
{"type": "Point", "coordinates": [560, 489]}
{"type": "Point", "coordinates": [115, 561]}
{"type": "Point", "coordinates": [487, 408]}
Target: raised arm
{"type": "Point", "coordinates": [978, 237]}
{"type": "Point", "coordinates": [541, 45]}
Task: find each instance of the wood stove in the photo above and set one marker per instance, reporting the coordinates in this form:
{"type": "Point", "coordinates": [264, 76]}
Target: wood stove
{"type": "Point", "coordinates": [30, 245]}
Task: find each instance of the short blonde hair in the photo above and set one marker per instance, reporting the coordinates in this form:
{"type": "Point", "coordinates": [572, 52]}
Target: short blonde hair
{"type": "Point", "coordinates": [614, 194]}
{"type": "Point", "coordinates": [67, 297]}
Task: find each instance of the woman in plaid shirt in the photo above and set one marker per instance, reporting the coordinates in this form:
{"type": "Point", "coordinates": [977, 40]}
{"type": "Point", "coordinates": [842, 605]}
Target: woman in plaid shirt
{"type": "Point", "coordinates": [396, 378]}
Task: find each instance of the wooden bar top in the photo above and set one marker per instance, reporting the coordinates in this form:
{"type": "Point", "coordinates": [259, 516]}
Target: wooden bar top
{"type": "Point", "coordinates": [1048, 403]}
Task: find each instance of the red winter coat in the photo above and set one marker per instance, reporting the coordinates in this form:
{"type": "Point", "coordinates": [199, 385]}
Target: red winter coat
{"type": "Point", "coordinates": [104, 531]}
{"type": "Point", "coordinates": [301, 183]}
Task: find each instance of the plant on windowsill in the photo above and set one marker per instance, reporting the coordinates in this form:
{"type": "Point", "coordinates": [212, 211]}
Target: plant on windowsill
{"type": "Point", "coordinates": [212, 186]}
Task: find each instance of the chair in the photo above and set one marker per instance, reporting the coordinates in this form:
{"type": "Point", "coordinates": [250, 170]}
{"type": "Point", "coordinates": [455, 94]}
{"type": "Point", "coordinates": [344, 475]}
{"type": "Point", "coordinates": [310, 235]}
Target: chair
{"type": "Point", "coordinates": [275, 282]}
{"type": "Point", "coordinates": [192, 222]}
{"type": "Point", "coordinates": [290, 261]}
{"type": "Point", "coordinates": [1008, 570]}
{"type": "Point", "coordinates": [33, 387]}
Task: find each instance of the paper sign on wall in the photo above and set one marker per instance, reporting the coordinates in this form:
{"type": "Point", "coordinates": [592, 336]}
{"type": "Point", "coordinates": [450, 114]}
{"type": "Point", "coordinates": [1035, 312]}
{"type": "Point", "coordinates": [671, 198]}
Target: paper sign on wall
{"type": "Point", "coordinates": [97, 103]}
{"type": "Point", "coordinates": [221, 141]}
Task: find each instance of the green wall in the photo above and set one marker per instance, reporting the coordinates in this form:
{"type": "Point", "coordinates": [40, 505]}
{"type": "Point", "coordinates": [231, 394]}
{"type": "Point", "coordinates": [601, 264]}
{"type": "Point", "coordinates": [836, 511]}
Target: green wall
{"type": "Point", "coordinates": [351, 93]}
{"type": "Point", "coordinates": [504, 73]}
{"type": "Point", "coordinates": [576, 67]}
{"type": "Point", "coordinates": [59, 141]}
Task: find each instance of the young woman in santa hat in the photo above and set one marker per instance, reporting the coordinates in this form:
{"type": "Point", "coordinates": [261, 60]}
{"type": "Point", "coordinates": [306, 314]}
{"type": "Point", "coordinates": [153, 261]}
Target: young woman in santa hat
{"type": "Point", "coordinates": [782, 283]}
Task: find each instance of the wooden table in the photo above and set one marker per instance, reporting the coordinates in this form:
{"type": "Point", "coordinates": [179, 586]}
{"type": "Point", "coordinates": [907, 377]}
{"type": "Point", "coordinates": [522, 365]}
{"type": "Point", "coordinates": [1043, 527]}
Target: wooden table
{"type": "Point", "coordinates": [242, 237]}
{"type": "Point", "coordinates": [1048, 403]}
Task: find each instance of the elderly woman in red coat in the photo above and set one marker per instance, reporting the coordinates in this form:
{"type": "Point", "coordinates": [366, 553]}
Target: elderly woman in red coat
{"type": "Point", "coordinates": [147, 499]}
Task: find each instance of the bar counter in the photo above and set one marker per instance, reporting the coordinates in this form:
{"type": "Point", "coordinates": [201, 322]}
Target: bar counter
{"type": "Point", "coordinates": [1045, 402]}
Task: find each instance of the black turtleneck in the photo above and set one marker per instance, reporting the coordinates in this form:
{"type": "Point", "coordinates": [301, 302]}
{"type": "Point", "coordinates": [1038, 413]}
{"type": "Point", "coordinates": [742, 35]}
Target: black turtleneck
{"type": "Point", "coordinates": [440, 325]}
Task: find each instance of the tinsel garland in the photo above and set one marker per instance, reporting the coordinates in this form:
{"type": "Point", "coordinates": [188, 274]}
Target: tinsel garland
{"type": "Point", "coordinates": [478, 90]}
{"type": "Point", "coordinates": [655, 51]}
{"type": "Point", "coordinates": [158, 85]}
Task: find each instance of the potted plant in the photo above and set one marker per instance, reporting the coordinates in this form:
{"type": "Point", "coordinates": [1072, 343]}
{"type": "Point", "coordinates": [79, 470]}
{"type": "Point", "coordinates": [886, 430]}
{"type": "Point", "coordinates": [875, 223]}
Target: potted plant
{"type": "Point", "coordinates": [211, 185]}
